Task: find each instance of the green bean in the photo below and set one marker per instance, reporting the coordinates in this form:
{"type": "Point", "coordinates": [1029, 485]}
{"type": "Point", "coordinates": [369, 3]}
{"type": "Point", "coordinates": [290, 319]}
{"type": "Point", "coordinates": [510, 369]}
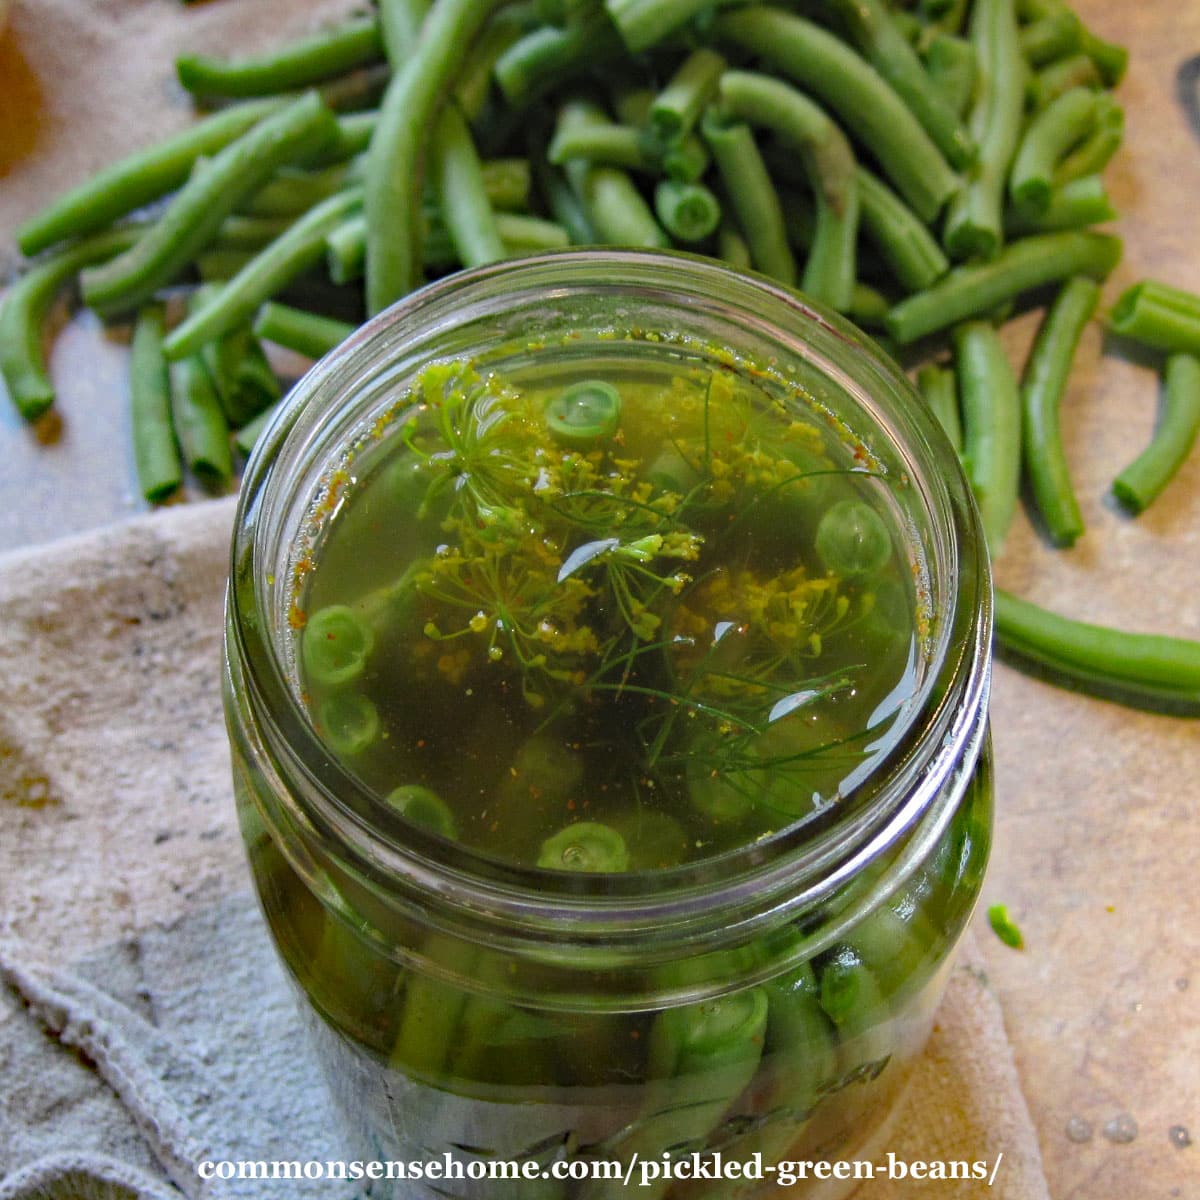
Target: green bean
{"type": "Point", "coordinates": [732, 247]}
{"type": "Point", "coordinates": [199, 423]}
{"type": "Point", "coordinates": [614, 207]}
{"type": "Point", "coordinates": [155, 450]}
{"type": "Point", "coordinates": [1140, 483]}
{"type": "Point", "coordinates": [393, 187]}
{"type": "Point", "coordinates": [247, 437]}
{"type": "Point", "coordinates": [1004, 927]}
{"type": "Point", "coordinates": [361, 89]}
{"type": "Point", "coordinates": [432, 1009]}
{"type": "Point", "coordinates": [474, 85]}
{"type": "Point", "coordinates": [1051, 37]}
{"type": "Point", "coordinates": [563, 204]}
{"type": "Point", "coordinates": [548, 56]}
{"type": "Point", "coordinates": [952, 66]}
{"type": "Point", "coordinates": [973, 220]}
{"type": "Point", "coordinates": [851, 996]}
{"type": "Point", "coordinates": [561, 12]}
{"type": "Point", "coordinates": [1092, 154]}
{"type": "Point", "coordinates": [497, 1043]}
{"type": "Point", "coordinates": [909, 25]}
{"type": "Point", "coordinates": [1159, 315]}
{"type": "Point", "coordinates": [1152, 668]}
{"type": "Point", "coordinates": [401, 21]}
{"type": "Point", "coordinates": [139, 179]}
{"type": "Point", "coordinates": [684, 159]}
{"type": "Point", "coordinates": [526, 235]}
{"type": "Point", "coordinates": [293, 192]}
{"type": "Point", "coordinates": [346, 245]}
{"type": "Point", "coordinates": [308, 61]}
{"type": "Point", "coordinates": [655, 840]}
{"type": "Point", "coordinates": [585, 413]}
{"type": "Point", "coordinates": [751, 194]}
{"type": "Point", "coordinates": [602, 142]}
{"type": "Point", "coordinates": [240, 232]}
{"type": "Point", "coordinates": [303, 332]}
{"type": "Point", "coordinates": [915, 258]}
{"type": "Point", "coordinates": [897, 943]}
{"type": "Point", "coordinates": [852, 541]}
{"type": "Point", "coordinates": [335, 646]}
{"type": "Point", "coordinates": [689, 212]}
{"type": "Point", "coordinates": [632, 102]}
{"type": "Point", "coordinates": [938, 387]}
{"type": "Point", "coordinates": [1051, 133]}
{"type": "Point", "coordinates": [869, 107]}
{"type": "Point", "coordinates": [243, 379]}
{"type": "Point", "coordinates": [800, 1060]}
{"type": "Point", "coordinates": [195, 214]}
{"type": "Point", "coordinates": [977, 288]}
{"type": "Point", "coordinates": [219, 264]}
{"type": "Point", "coordinates": [944, 16]}
{"type": "Point", "coordinates": [799, 218]}
{"type": "Point", "coordinates": [1035, 10]}
{"type": "Point", "coordinates": [1041, 396]}
{"type": "Point", "coordinates": [676, 109]}
{"type": "Point", "coordinates": [354, 133]}
{"type": "Point", "coordinates": [882, 44]}
{"type": "Point", "coordinates": [1051, 82]}
{"type": "Point", "coordinates": [346, 249]}
{"type": "Point", "coordinates": [644, 23]}
{"type": "Point", "coordinates": [829, 272]}
{"type": "Point", "coordinates": [1074, 205]}
{"type": "Point", "coordinates": [605, 143]}
{"type": "Point", "coordinates": [1111, 60]}
{"type": "Point", "coordinates": [423, 807]}
{"type": "Point", "coordinates": [585, 846]}
{"type": "Point", "coordinates": [458, 184]}
{"type": "Point", "coordinates": [24, 307]}
{"type": "Point", "coordinates": [349, 722]}
{"type": "Point", "coordinates": [991, 409]}
{"type": "Point", "coordinates": [266, 274]}
{"type": "Point", "coordinates": [508, 183]}
{"type": "Point", "coordinates": [700, 1058]}
{"type": "Point", "coordinates": [868, 306]}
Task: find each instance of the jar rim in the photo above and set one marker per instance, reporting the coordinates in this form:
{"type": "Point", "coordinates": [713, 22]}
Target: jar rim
{"type": "Point", "coordinates": [800, 864]}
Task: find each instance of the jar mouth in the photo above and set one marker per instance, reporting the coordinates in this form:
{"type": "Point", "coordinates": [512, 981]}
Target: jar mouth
{"type": "Point", "coordinates": [800, 863]}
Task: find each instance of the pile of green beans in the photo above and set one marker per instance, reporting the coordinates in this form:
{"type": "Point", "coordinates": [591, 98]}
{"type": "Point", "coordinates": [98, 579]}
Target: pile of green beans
{"type": "Point", "coordinates": [920, 168]}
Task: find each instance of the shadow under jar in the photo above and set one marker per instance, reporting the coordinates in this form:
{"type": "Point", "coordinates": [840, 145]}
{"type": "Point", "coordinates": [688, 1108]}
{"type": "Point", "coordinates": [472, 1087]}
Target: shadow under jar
{"type": "Point", "coordinates": [607, 671]}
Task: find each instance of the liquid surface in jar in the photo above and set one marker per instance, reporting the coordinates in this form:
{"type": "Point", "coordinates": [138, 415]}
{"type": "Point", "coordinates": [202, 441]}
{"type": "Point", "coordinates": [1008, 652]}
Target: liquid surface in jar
{"type": "Point", "coordinates": [606, 611]}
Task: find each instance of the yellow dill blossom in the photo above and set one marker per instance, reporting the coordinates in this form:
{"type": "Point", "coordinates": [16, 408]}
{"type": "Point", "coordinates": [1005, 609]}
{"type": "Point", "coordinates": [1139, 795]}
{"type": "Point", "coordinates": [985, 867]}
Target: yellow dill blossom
{"type": "Point", "coordinates": [738, 627]}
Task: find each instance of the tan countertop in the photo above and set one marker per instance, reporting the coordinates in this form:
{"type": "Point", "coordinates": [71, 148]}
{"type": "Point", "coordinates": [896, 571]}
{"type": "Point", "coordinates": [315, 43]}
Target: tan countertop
{"type": "Point", "coordinates": [1097, 843]}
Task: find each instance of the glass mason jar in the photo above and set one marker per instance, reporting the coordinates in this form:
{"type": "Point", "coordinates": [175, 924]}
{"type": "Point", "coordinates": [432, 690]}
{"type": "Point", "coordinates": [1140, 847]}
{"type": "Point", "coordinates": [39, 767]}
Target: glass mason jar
{"type": "Point", "coordinates": [763, 1005]}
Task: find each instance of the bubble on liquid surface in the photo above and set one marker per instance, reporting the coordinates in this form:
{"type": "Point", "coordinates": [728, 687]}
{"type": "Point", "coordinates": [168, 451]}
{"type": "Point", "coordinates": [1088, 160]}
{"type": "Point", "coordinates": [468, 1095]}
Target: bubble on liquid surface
{"type": "Point", "coordinates": [1121, 1129]}
{"type": "Point", "coordinates": [574, 856]}
{"type": "Point", "coordinates": [1079, 1130]}
{"type": "Point", "coordinates": [1179, 1136]}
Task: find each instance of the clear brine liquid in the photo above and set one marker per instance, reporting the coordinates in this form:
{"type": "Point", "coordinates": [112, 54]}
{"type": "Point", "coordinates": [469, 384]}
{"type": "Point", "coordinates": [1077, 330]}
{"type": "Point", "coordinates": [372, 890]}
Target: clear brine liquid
{"type": "Point", "coordinates": [691, 623]}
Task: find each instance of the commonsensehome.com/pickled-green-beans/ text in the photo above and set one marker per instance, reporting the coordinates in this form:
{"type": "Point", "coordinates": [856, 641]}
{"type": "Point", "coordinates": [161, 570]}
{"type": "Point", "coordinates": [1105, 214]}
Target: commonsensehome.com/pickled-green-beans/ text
{"type": "Point", "coordinates": [634, 1172]}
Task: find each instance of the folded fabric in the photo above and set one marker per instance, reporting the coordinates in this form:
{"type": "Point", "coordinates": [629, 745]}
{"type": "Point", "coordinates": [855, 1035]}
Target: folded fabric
{"type": "Point", "coordinates": [147, 1025]}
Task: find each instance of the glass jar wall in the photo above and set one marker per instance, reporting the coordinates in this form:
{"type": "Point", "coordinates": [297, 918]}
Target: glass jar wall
{"type": "Point", "coordinates": [757, 991]}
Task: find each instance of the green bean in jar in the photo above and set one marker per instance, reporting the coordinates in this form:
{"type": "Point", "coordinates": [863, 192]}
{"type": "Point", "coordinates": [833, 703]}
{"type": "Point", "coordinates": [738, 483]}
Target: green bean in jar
{"type": "Point", "coordinates": [618, 787]}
